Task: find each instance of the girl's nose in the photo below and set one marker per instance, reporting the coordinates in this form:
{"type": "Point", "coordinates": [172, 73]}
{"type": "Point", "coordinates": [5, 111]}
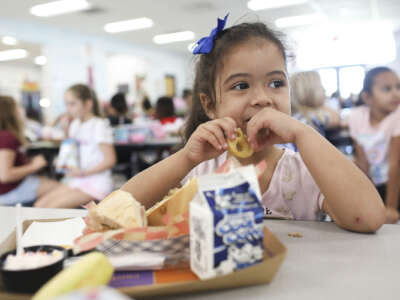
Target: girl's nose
{"type": "Point", "coordinates": [261, 98]}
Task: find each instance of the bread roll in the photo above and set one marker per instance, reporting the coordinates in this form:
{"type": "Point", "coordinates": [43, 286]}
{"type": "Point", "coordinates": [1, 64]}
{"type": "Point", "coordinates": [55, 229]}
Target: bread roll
{"type": "Point", "coordinates": [119, 210]}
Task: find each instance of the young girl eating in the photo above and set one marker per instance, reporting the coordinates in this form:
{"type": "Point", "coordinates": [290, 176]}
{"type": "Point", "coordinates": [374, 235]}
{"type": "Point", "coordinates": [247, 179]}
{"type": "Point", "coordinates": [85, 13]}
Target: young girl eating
{"type": "Point", "coordinates": [241, 81]}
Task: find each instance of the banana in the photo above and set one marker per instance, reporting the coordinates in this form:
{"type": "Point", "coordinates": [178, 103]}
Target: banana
{"type": "Point", "coordinates": [92, 269]}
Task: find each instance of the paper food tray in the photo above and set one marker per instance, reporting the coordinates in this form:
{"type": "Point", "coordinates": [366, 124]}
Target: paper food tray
{"type": "Point", "coordinates": [175, 250]}
{"type": "Point", "coordinates": [261, 273]}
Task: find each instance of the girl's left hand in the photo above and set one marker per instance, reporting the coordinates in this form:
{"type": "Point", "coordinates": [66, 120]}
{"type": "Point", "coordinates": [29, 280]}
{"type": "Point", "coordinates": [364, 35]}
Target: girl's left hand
{"type": "Point", "coordinates": [269, 127]}
{"type": "Point", "coordinates": [75, 172]}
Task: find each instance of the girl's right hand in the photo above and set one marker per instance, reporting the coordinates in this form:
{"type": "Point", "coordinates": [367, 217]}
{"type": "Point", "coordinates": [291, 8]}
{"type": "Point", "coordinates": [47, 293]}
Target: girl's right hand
{"type": "Point", "coordinates": [38, 162]}
{"type": "Point", "coordinates": [392, 215]}
{"type": "Point", "coordinates": [209, 139]}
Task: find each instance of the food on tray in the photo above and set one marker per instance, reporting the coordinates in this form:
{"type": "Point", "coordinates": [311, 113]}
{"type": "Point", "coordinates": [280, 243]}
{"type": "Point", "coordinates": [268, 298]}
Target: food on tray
{"type": "Point", "coordinates": [240, 146]}
{"type": "Point", "coordinates": [93, 269]}
{"type": "Point", "coordinates": [31, 260]}
{"type": "Point", "coordinates": [117, 210]}
{"type": "Point", "coordinates": [175, 203]}
{"type": "Point", "coordinates": [120, 217]}
{"type": "Point", "coordinates": [226, 218]}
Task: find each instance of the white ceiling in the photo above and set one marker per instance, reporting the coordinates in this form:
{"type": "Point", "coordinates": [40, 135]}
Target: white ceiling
{"type": "Point", "coordinates": [33, 50]}
{"type": "Point", "coordinates": [195, 15]}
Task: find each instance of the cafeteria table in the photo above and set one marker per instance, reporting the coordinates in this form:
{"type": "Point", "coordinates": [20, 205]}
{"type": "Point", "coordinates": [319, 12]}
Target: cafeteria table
{"type": "Point", "coordinates": [127, 153]}
{"type": "Point", "coordinates": [323, 261]}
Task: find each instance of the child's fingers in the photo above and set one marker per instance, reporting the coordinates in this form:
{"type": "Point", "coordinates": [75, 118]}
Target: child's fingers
{"type": "Point", "coordinates": [215, 130]}
{"type": "Point", "coordinates": [208, 136]}
{"type": "Point", "coordinates": [253, 127]}
{"type": "Point", "coordinates": [229, 127]}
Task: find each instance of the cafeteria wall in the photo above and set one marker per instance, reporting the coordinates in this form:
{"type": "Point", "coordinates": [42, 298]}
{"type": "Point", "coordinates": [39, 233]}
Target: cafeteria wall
{"type": "Point", "coordinates": [395, 65]}
{"type": "Point", "coordinates": [12, 77]}
{"type": "Point", "coordinates": [69, 55]}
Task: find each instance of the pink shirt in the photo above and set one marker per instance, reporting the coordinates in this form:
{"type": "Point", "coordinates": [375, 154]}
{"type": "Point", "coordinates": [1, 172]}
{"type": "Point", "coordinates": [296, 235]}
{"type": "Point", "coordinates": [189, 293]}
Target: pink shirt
{"type": "Point", "coordinates": [292, 192]}
{"type": "Point", "coordinates": [375, 140]}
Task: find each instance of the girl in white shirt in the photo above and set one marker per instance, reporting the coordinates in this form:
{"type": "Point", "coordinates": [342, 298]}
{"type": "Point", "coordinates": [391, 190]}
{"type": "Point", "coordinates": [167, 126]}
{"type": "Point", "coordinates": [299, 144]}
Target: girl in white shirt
{"type": "Point", "coordinates": [375, 129]}
{"type": "Point", "coordinates": [92, 180]}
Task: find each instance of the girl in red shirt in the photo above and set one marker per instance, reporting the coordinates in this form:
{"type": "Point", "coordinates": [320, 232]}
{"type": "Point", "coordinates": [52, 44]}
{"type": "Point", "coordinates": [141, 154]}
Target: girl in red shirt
{"type": "Point", "coordinates": [18, 184]}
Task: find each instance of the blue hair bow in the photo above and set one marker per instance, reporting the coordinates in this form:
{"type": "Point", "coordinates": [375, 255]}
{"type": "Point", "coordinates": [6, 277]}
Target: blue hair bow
{"type": "Point", "coordinates": [206, 44]}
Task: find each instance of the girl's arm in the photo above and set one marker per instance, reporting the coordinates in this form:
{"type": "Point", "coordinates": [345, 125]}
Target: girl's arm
{"type": "Point", "coordinates": [360, 158]}
{"type": "Point", "coordinates": [152, 184]}
{"type": "Point", "coordinates": [108, 162]}
{"type": "Point", "coordinates": [206, 142]}
{"type": "Point", "coordinates": [393, 185]}
{"type": "Point", "coordinates": [9, 173]}
{"type": "Point", "coordinates": [350, 198]}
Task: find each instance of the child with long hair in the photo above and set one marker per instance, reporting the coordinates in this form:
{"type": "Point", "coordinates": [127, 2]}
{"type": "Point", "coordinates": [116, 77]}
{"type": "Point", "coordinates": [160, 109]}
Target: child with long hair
{"type": "Point", "coordinates": [241, 81]}
{"type": "Point", "coordinates": [375, 129]}
{"type": "Point", "coordinates": [308, 99]}
{"type": "Point", "coordinates": [18, 182]}
{"type": "Point", "coordinates": [92, 180]}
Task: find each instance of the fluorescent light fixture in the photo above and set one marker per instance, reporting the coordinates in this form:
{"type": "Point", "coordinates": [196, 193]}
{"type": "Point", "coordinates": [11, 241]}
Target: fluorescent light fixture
{"type": "Point", "coordinates": [300, 20]}
{"type": "Point", "coordinates": [268, 4]}
{"type": "Point", "coordinates": [173, 37]}
{"type": "Point", "coordinates": [13, 54]}
{"type": "Point", "coordinates": [59, 7]}
{"type": "Point", "coordinates": [9, 40]}
{"type": "Point", "coordinates": [40, 60]}
{"type": "Point", "coordinates": [128, 25]}
{"type": "Point", "coordinates": [44, 102]}
{"type": "Point", "coordinates": [191, 46]}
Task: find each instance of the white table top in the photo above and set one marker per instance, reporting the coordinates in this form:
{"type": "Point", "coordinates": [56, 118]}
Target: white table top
{"type": "Point", "coordinates": [326, 263]}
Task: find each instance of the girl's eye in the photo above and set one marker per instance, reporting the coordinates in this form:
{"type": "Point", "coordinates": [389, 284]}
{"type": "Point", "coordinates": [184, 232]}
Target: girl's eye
{"type": "Point", "coordinates": [276, 84]}
{"type": "Point", "coordinates": [240, 86]}
{"type": "Point", "coordinates": [387, 89]}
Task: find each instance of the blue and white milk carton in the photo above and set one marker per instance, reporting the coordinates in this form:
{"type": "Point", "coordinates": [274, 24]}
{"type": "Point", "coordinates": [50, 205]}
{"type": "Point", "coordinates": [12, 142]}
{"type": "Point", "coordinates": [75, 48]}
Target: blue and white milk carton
{"type": "Point", "coordinates": [226, 230]}
{"type": "Point", "coordinates": [68, 156]}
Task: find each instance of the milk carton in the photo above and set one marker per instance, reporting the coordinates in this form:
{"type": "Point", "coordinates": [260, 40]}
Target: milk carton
{"type": "Point", "coordinates": [68, 156]}
{"type": "Point", "coordinates": [226, 223]}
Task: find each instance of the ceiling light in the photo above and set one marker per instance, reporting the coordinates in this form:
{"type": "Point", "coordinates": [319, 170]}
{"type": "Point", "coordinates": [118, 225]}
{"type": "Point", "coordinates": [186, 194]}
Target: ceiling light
{"type": "Point", "coordinates": [173, 37]}
{"type": "Point", "coordinates": [191, 46]}
{"type": "Point", "coordinates": [128, 25]}
{"type": "Point", "coordinates": [40, 60]}
{"type": "Point", "coordinates": [44, 102]}
{"type": "Point", "coordinates": [300, 20]}
{"type": "Point", "coordinates": [13, 54]}
{"type": "Point", "coordinates": [9, 40]}
{"type": "Point", "coordinates": [59, 7]}
{"type": "Point", "coordinates": [268, 4]}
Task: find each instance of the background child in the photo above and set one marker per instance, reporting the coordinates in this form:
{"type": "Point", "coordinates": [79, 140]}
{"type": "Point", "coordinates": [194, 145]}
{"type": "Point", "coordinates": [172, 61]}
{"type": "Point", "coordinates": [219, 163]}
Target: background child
{"type": "Point", "coordinates": [241, 82]}
{"type": "Point", "coordinates": [18, 184]}
{"type": "Point", "coordinates": [375, 129]}
{"type": "Point", "coordinates": [308, 98]}
{"type": "Point", "coordinates": [92, 181]}
{"type": "Point", "coordinates": [165, 113]}
{"type": "Point", "coordinates": [165, 110]}
{"type": "Point", "coordinates": [147, 107]}
{"type": "Point", "coordinates": [119, 110]}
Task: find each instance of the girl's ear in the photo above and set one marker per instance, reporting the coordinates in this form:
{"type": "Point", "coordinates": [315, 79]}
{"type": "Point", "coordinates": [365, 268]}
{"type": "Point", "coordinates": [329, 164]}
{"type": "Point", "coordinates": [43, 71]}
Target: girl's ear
{"type": "Point", "coordinates": [366, 98]}
{"type": "Point", "coordinates": [89, 105]}
{"type": "Point", "coordinates": [207, 106]}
